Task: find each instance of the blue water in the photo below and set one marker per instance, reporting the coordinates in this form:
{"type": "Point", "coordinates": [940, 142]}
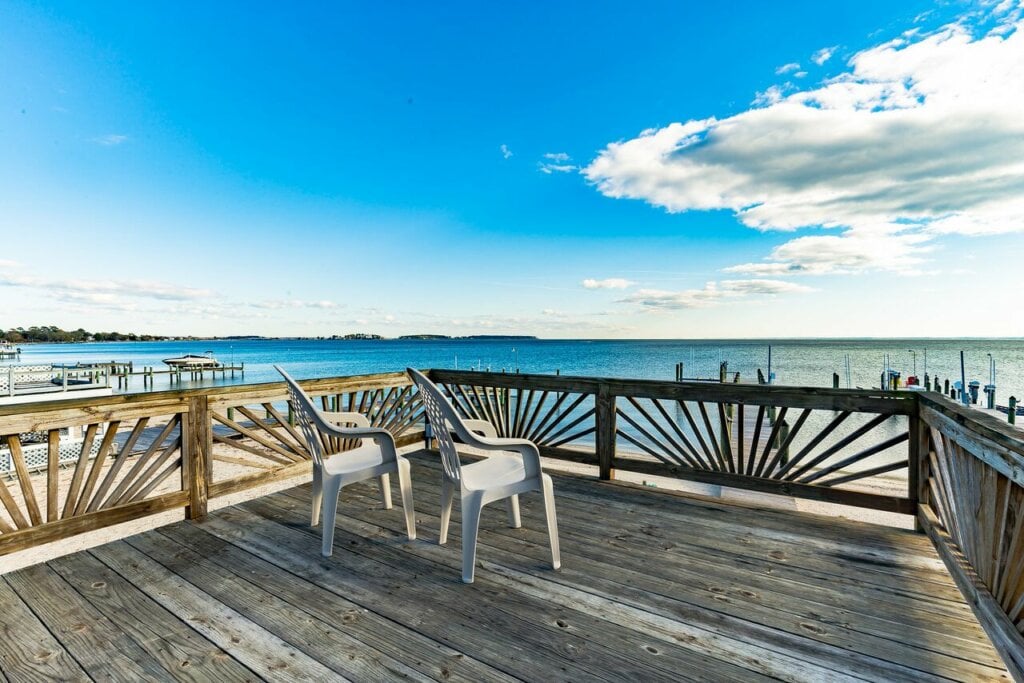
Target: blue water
{"type": "Point", "coordinates": [794, 362]}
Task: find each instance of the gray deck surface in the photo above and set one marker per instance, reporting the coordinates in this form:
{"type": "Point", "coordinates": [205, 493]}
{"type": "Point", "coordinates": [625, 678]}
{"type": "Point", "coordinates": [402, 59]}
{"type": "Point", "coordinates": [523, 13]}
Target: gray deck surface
{"type": "Point", "coordinates": [654, 586]}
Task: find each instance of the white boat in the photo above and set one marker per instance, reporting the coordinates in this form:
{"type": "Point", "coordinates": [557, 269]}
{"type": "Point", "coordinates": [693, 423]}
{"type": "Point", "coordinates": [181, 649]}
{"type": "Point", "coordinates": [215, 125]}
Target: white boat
{"type": "Point", "coordinates": [192, 360]}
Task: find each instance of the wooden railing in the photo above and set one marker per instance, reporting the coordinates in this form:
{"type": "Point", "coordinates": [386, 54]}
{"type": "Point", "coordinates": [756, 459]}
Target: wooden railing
{"type": "Point", "coordinates": [972, 507]}
{"type": "Point", "coordinates": [960, 473]}
{"type": "Point", "coordinates": [825, 444]}
{"type": "Point", "coordinates": [139, 454]}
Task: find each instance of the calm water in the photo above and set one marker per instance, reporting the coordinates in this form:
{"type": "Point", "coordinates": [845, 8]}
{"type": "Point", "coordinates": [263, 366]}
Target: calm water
{"type": "Point", "coordinates": [794, 362]}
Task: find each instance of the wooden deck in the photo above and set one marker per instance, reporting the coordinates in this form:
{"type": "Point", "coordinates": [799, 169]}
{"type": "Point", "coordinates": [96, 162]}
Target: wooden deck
{"type": "Point", "coordinates": [654, 586]}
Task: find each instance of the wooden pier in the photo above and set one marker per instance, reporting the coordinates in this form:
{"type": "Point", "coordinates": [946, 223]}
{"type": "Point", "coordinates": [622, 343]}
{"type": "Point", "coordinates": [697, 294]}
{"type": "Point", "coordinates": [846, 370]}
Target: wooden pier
{"type": "Point", "coordinates": [653, 586]}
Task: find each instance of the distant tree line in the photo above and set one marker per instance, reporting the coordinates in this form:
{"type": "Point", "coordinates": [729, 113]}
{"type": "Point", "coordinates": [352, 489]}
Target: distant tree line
{"type": "Point", "coordinates": [52, 333]}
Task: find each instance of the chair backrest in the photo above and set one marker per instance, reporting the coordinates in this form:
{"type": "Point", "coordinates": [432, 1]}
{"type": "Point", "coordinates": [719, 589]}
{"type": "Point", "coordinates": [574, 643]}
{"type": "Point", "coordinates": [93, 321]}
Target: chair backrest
{"type": "Point", "coordinates": [441, 415]}
{"type": "Point", "coordinates": [309, 417]}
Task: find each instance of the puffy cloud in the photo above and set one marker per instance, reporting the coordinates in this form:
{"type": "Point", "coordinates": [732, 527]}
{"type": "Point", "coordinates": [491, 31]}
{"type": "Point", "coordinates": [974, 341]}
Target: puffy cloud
{"type": "Point", "coordinates": [787, 68]}
{"type": "Point", "coordinates": [852, 252]}
{"type": "Point", "coordinates": [823, 55]}
{"type": "Point", "coordinates": [607, 283]}
{"type": "Point", "coordinates": [711, 294]}
{"type": "Point", "coordinates": [505, 152]}
{"type": "Point", "coordinates": [923, 135]}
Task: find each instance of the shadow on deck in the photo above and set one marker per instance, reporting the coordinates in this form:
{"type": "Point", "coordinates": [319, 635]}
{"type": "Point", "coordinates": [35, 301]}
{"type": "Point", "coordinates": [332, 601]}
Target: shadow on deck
{"type": "Point", "coordinates": [654, 586]}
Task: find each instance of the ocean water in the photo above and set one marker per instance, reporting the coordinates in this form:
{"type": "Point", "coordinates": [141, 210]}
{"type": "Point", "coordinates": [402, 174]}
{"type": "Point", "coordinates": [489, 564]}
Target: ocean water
{"type": "Point", "coordinates": [808, 362]}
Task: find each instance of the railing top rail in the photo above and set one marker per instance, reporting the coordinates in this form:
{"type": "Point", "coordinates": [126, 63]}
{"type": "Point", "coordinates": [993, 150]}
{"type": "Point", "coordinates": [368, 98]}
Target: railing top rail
{"type": "Point", "coordinates": [180, 397]}
{"type": "Point", "coordinates": [857, 400]}
{"type": "Point", "coordinates": [981, 424]}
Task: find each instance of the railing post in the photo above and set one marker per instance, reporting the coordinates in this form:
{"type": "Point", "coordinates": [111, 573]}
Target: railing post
{"type": "Point", "coordinates": [195, 463]}
{"type": "Point", "coordinates": [604, 413]}
{"type": "Point", "coordinates": [918, 465]}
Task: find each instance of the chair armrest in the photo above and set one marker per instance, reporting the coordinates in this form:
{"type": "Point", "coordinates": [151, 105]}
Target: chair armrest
{"type": "Point", "coordinates": [481, 427]}
{"type": "Point", "coordinates": [524, 447]}
{"type": "Point", "coordinates": [340, 418]}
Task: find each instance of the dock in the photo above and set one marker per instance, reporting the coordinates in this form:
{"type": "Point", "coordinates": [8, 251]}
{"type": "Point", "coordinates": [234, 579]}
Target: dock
{"type": "Point", "coordinates": [228, 581]}
{"type": "Point", "coordinates": [655, 587]}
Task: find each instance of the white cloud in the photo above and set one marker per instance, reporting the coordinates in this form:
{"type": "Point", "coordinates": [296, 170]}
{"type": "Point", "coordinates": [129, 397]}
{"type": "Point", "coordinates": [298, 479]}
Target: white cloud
{"type": "Point", "coordinates": [556, 162]}
{"type": "Point", "coordinates": [6, 263]}
{"type": "Point", "coordinates": [787, 68]}
{"type": "Point", "coordinates": [922, 137]}
{"type": "Point", "coordinates": [711, 294]}
{"type": "Point", "coordinates": [281, 304]}
{"type": "Point", "coordinates": [852, 252]}
{"type": "Point", "coordinates": [505, 152]}
{"type": "Point", "coordinates": [823, 55]}
{"type": "Point", "coordinates": [607, 283]}
{"type": "Point", "coordinates": [130, 288]}
{"type": "Point", "coordinates": [110, 140]}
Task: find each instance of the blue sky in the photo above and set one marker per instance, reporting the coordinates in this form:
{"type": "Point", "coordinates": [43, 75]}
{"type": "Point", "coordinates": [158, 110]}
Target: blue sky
{"type": "Point", "coordinates": [559, 169]}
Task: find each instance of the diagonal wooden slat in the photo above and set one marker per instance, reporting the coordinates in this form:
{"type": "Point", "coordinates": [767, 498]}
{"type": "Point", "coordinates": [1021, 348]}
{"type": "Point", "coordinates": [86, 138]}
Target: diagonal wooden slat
{"type": "Point", "coordinates": [28, 493]}
{"type": "Point", "coordinates": [836, 447]}
{"type": "Point", "coordinates": [712, 463]}
{"type": "Point", "coordinates": [258, 438]}
{"type": "Point", "coordinates": [772, 469]}
{"type": "Point", "coordinates": [133, 491]}
{"type": "Point", "coordinates": [725, 436]}
{"type": "Point", "coordinates": [288, 445]}
{"type": "Point", "coordinates": [813, 443]}
{"type": "Point", "coordinates": [542, 436]}
{"type": "Point", "coordinates": [756, 442]}
{"type": "Point", "coordinates": [119, 461]}
{"type": "Point", "coordinates": [142, 462]}
{"type": "Point", "coordinates": [549, 439]}
{"type": "Point", "coordinates": [773, 436]}
{"type": "Point", "coordinates": [52, 474]}
{"type": "Point", "coordinates": [657, 449]}
{"type": "Point", "coordinates": [264, 455]}
{"type": "Point", "coordinates": [712, 437]}
{"type": "Point", "coordinates": [97, 467]}
{"type": "Point", "coordinates": [694, 457]}
{"type": "Point", "coordinates": [857, 457]}
{"type": "Point", "coordinates": [12, 507]}
{"type": "Point", "coordinates": [80, 467]}
{"type": "Point", "coordinates": [552, 414]}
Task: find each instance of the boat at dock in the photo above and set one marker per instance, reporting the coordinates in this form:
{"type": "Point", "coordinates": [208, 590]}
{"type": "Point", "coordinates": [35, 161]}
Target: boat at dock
{"type": "Point", "coordinates": [192, 360]}
{"type": "Point", "coordinates": [9, 350]}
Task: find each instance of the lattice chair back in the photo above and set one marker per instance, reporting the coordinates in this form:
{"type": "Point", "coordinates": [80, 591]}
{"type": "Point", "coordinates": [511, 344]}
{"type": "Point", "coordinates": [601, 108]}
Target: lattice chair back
{"type": "Point", "coordinates": [441, 415]}
{"type": "Point", "coordinates": [308, 417]}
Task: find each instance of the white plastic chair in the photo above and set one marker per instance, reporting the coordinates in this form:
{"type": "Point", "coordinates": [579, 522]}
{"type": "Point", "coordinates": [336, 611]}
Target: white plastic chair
{"type": "Point", "coordinates": [513, 469]}
{"type": "Point", "coordinates": [332, 472]}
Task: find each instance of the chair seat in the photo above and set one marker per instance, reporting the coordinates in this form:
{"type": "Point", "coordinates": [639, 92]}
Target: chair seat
{"type": "Point", "coordinates": [354, 460]}
{"type": "Point", "coordinates": [493, 471]}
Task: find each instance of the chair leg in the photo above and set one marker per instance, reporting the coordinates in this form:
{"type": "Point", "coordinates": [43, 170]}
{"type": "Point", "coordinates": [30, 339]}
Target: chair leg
{"type": "Point", "coordinates": [405, 486]}
{"type": "Point", "coordinates": [514, 520]}
{"type": "Point", "coordinates": [318, 494]}
{"type": "Point", "coordinates": [549, 512]}
{"type": "Point", "coordinates": [330, 510]}
{"type": "Point", "coordinates": [447, 496]}
{"type": "Point", "coordinates": [385, 490]}
{"type": "Point", "coordinates": [471, 507]}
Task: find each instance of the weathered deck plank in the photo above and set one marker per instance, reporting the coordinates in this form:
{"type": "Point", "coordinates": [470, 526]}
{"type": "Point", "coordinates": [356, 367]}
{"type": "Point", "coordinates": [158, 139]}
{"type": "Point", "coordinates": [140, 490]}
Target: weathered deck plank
{"type": "Point", "coordinates": [654, 586]}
